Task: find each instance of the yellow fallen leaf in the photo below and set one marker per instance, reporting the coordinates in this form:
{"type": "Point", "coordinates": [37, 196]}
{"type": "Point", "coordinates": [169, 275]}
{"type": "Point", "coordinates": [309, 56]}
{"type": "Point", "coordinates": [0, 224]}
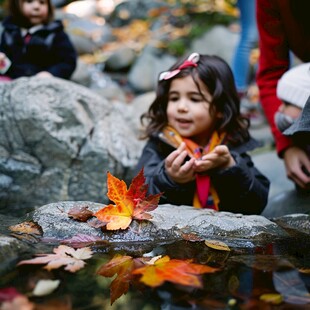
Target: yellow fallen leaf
{"type": "Point", "coordinates": [217, 245]}
{"type": "Point", "coordinates": [274, 299]}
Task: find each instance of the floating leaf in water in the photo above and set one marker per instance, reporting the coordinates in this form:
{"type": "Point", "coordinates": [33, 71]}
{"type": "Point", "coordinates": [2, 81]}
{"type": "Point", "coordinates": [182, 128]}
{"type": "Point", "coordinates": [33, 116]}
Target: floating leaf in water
{"type": "Point", "coordinates": [173, 270]}
{"type": "Point", "coordinates": [64, 256]}
{"type": "Point", "coordinates": [45, 287]}
{"type": "Point", "coordinates": [274, 299]}
{"type": "Point", "coordinates": [80, 213]}
{"type": "Point", "coordinates": [122, 266]}
{"type": "Point", "coordinates": [217, 245]}
{"type": "Point", "coordinates": [129, 204]}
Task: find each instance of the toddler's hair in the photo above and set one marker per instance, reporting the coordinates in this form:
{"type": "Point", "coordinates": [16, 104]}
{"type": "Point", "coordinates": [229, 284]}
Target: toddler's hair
{"type": "Point", "coordinates": [14, 10]}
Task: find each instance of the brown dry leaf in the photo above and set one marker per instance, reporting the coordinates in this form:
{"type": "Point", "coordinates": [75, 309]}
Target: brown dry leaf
{"type": "Point", "coordinates": [80, 213]}
{"type": "Point", "coordinates": [217, 245]}
{"type": "Point", "coordinates": [27, 228]}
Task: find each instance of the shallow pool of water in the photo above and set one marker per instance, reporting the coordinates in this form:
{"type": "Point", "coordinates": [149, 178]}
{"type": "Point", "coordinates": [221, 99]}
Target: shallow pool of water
{"type": "Point", "coordinates": [246, 275]}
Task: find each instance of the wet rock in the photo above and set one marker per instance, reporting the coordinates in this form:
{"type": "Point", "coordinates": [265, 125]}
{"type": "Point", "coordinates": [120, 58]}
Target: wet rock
{"type": "Point", "coordinates": [168, 223]}
{"type": "Point", "coordinates": [11, 249]}
{"type": "Point", "coordinates": [299, 223]}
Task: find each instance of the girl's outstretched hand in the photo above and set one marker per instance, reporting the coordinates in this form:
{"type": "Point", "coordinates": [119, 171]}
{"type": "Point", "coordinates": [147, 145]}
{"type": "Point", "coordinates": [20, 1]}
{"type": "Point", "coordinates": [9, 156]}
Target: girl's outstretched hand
{"type": "Point", "coordinates": [177, 170]}
{"type": "Point", "coordinates": [220, 158]}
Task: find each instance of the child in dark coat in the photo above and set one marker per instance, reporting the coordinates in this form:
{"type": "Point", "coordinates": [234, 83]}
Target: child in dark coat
{"type": "Point", "coordinates": [32, 43]}
{"type": "Point", "coordinates": [198, 140]}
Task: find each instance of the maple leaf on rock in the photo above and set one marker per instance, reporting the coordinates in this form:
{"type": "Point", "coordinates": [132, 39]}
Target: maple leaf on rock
{"type": "Point", "coordinates": [129, 204]}
{"type": "Point", "coordinates": [64, 256]}
{"type": "Point", "coordinates": [173, 270]}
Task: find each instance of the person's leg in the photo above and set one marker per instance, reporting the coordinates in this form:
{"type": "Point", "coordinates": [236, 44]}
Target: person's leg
{"type": "Point", "coordinates": [248, 40]}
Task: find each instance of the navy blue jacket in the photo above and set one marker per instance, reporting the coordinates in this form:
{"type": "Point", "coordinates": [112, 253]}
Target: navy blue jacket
{"type": "Point", "coordinates": [49, 49]}
{"type": "Point", "coordinates": [241, 188]}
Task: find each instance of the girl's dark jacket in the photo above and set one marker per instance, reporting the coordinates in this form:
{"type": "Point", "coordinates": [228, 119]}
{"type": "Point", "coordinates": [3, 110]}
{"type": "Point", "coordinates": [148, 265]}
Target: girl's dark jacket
{"type": "Point", "coordinates": [49, 49]}
{"type": "Point", "coordinates": [241, 188]}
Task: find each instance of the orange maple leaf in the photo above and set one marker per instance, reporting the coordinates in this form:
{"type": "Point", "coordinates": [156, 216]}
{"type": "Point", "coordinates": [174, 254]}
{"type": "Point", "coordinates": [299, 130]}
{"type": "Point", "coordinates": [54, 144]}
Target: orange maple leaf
{"type": "Point", "coordinates": [173, 270]}
{"type": "Point", "coordinates": [129, 204]}
{"type": "Point", "coordinates": [64, 256]}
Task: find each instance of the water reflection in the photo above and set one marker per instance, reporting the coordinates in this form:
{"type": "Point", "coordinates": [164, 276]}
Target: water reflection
{"type": "Point", "coordinates": [246, 274]}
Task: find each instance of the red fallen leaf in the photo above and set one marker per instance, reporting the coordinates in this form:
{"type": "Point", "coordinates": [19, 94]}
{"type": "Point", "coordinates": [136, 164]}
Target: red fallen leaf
{"type": "Point", "coordinates": [20, 302]}
{"type": "Point", "coordinates": [8, 293]}
{"type": "Point", "coordinates": [122, 266]}
{"type": "Point", "coordinates": [64, 256]}
{"type": "Point", "coordinates": [81, 213]}
{"type": "Point", "coordinates": [129, 204]}
{"type": "Point", "coordinates": [173, 270]}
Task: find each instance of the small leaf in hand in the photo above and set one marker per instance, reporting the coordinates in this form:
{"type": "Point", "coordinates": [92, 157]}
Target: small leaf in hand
{"type": "Point", "coordinates": [72, 259]}
{"type": "Point", "coordinates": [80, 213]}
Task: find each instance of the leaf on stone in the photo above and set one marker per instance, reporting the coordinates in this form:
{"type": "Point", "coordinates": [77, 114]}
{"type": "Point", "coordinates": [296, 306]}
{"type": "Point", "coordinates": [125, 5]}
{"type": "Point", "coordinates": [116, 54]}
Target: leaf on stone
{"type": "Point", "coordinates": [129, 204]}
{"type": "Point", "coordinates": [80, 213]}
{"type": "Point", "coordinates": [181, 272]}
{"type": "Point", "coordinates": [72, 259]}
{"type": "Point", "coordinates": [121, 266]}
{"type": "Point", "coordinates": [96, 223]}
{"type": "Point", "coordinates": [27, 228]}
{"type": "Point", "coordinates": [191, 237]}
{"type": "Point", "coordinates": [217, 245]}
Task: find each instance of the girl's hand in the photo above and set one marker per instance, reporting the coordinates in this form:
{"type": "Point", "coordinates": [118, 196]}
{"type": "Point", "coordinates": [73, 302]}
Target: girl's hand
{"type": "Point", "coordinates": [294, 159]}
{"type": "Point", "coordinates": [179, 172]}
{"type": "Point", "coordinates": [44, 74]}
{"type": "Point", "coordinates": [220, 157]}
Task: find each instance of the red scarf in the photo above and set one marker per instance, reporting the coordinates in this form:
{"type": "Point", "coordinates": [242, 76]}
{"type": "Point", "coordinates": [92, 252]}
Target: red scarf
{"type": "Point", "coordinates": [203, 184]}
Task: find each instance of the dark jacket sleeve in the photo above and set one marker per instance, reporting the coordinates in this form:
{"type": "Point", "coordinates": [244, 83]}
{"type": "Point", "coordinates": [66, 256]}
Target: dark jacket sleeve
{"type": "Point", "coordinates": [65, 56]}
{"type": "Point", "coordinates": [241, 188]}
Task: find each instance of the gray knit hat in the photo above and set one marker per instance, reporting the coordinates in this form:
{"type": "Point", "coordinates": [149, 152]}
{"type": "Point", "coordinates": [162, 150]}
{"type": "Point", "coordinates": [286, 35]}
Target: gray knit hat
{"type": "Point", "coordinates": [294, 85]}
{"type": "Point", "coordinates": [302, 123]}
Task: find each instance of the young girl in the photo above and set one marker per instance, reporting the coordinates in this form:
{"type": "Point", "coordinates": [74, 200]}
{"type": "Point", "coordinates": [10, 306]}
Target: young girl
{"type": "Point", "coordinates": [33, 44]}
{"type": "Point", "coordinates": [196, 153]}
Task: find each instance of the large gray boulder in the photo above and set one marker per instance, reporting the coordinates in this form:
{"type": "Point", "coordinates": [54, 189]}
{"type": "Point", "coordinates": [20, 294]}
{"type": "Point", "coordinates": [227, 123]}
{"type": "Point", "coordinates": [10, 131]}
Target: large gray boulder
{"type": "Point", "coordinates": [58, 140]}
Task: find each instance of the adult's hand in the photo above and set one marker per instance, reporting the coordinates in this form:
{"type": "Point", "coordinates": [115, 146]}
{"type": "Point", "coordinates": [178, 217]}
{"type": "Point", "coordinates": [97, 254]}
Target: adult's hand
{"type": "Point", "coordinates": [295, 159]}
